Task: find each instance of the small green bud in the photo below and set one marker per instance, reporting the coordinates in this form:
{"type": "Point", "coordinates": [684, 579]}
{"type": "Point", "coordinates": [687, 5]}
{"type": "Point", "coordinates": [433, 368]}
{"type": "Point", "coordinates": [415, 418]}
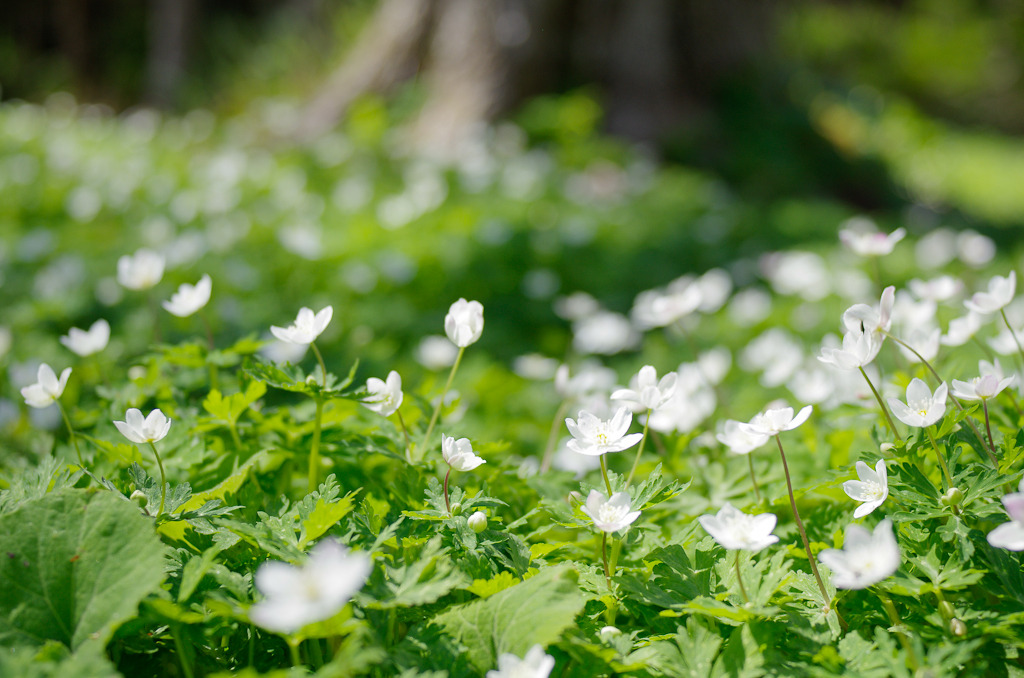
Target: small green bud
{"type": "Point", "coordinates": [139, 498]}
{"type": "Point", "coordinates": [456, 508]}
{"type": "Point", "coordinates": [478, 521]}
{"type": "Point", "coordinates": [952, 497]}
{"type": "Point", "coordinates": [957, 627]}
{"type": "Point", "coordinates": [887, 447]}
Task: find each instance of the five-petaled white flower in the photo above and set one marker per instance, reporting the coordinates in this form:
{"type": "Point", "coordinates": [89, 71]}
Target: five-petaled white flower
{"type": "Point", "coordinates": [610, 514]}
{"type": "Point", "coordinates": [141, 270]}
{"type": "Point", "coordinates": [774, 422]}
{"type": "Point", "coordinates": [594, 437]}
{"type": "Point", "coordinates": [141, 430]}
{"type": "Point", "coordinates": [385, 396]}
{"type": "Point", "coordinates": [738, 531]}
{"type": "Point", "coordinates": [865, 559]}
{"type": "Point", "coordinates": [295, 596]}
{"type": "Point", "coordinates": [739, 441]}
{"type": "Point", "coordinates": [648, 393]}
{"type": "Point", "coordinates": [459, 454]}
{"type": "Point", "coordinates": [1011, 535]}
{"type": "Point", "coordinates": [536, 664]}
{"type": "Point", "coordinates": [981, 388]}
{"type": "Point", "coordinates": [1000, 293]}
{"type": "Point", "coordinates": [874, 319]}
{"type": "Point", "coordinates": [47, 389]}
{"type": "Point", "coordinates": [190, 298]}
{"type": "Point", "coordinates": [307, 326]}
{"type": "Point", "coordinates": [464, 322]}
{"type": "Point", "coordinates": [868, 242]}
{"type": "Point", "coordinates": [923, 408]}
{"type": "Point", "coordinates": [859, 349]}
{"type": "Point", "coordinates": [87, 342]}
{"type": "Point", "coordinates": [872, 488]}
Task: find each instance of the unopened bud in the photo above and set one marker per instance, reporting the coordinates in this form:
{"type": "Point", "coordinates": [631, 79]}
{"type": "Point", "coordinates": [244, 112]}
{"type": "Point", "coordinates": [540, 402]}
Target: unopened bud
{"type": "Point", "coordinates": [478, 521]}
{"type": "Point", "coordinates": [952, 497]}
{"type": "Point", "coordinates": [957, 627]}
{"type": "Point", "coordinates": [139, 498]}
{"type": "Point", "coordinates": [575, 497]}
{"type": "Point", "coordinates": [456, 508]}
{"type": "Point", "coordinates": [886, 447]}
{"type": "Point", "coordinates": [607, 632]}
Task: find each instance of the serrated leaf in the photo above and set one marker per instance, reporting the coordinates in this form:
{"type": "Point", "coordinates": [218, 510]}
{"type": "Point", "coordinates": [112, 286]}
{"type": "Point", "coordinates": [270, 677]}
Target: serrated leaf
{"type": "Point", "coordinates": [488, 587]}
{"type": "Point", "coordinates": [423, 579]}
{"type": "Point", "coordinates": [324, 516]}
{"type": "Point", "coordinates": [513, 620]}
{"type": "Point", "coordinates": [75, 565]}
{"type": "Point", "coordinates": [227, 409]}
{"type": "Point", "coordinates": [289, 377]}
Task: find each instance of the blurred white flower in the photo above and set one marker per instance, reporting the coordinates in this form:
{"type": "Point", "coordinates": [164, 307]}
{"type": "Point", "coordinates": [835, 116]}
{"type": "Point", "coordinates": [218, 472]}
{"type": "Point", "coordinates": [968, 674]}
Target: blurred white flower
{"type": "Point", "coordinates": [1000, 293]}
{"type": "Point", "coordinates": [149, 430]}
{"type": "Point", "coordinates": [591, 378]}
{"type": "Point", "coordinates": [873, 319]}
{"type": "Point", "coordinates": [859, 349]}
{"type": "Point", "coordinates": [464, 323]}
{"type": "Point", "coordinates": [307, 326]}
{"type": "Point", "coordinates": [87, 342]}
{"type": "Point", "coordinates": [536, 664]}
{"type": "Point", "coordinates": [647, 392]}
{"type": "Point", "coordinates": [774, 421]}
{"type": "Point", "coordinates": [604, 333]}
{"type": "Point", "coordinates": [865, 559]}
{"type": "Point", "coordinates": [385, 397]}
{"type": "Point", "coordinates": [594, 437]}
{"type": "Point", "coordinates": [738, 531]}
{"type": "Point", "coordinates": [961, 329]}
{"type": "Point", "coordinates": [923, 408]}
{"type": "Point", "coordinates": [435, 352]}
{"type": "Point", "coordinates": [942, 288]}
{"type": "Point", "coordinates": [872, 488]}
{"type": "Point", "coordinates": [1011, 535]}
{"type": "Point", "coordinates": [610, 514]}
{"type": "Point", "coordinates": [141, 270]}
{"type": "Point", "coordinates": [924, 340]}
{"type": "Point", "coordinates": [295, 596]}
{"type": "Point", "coordinates": [47, 389]}
{"type": "Point", "coordinates": [189, 298]}
{"type": "Point", "coordinates": [738, 440]}
{"type": "Point", "coordinates": [862, 237]}
{"type": "Point", "coordinates": [458, 454]}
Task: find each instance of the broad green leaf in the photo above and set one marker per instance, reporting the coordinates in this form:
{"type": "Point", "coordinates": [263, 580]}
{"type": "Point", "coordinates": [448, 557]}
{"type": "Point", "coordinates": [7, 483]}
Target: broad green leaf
{"type": "Point", "coordinates": [324, 516]}
{"type": "Point", "coordinates": [227, 409]}
{"type": "Point", "coordinates": [486, 588]}
{"type": "Point", "coordinates": [536, 611]}
{"type": "Point", "coordinates": [54, 660]}
{"type": "Point", "coordinates": [75, 566]}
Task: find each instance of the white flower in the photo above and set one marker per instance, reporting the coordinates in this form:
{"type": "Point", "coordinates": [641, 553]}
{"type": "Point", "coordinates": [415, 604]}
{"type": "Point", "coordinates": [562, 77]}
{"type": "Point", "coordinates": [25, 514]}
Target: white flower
{"type": "Point", "coordinates": [190, 298]}
{"type": "Point", "coordinates": [295, 596]}
{"type": "Point", "coordinates": [604, 333]}
{"type": "Point", "coordinates": [435, 352]}
{"type": "Point", "coordinates": [862, 238]}
{"type": "Point", "coordinates": [594, 437]}
{"type": "Point", "coordinates": [459, 454]}
{"type": "Point", "coordinates": [1000, 293]}
{"type": "Point", "coordinates": [141, 270]}
{"type": "Point", "coordinates": [307, 326]}
{"type": "Point", "coordinates": [774, 422]}
{"type": "Point", "coordinates": [738, 531]}
{"type": "Point", "coordinates": [648, 393]}
{"type": "Point", "coordinates": [873, 319]}
{"type": "Point", "coordinates": [87, 342]}
{"type": "Point", "coordinates": [859, 349]}
{"type": "Point", "coordinates": [865, 559]}
{"type": "Point", "coordinates": [536, 664]}
{"type": "Point", "coordinates": [923, 408]}
{"type": "Point", "coordinates": [981, 388]}
{"type": "Point", "coordinates": [47, 389]}
{"type": "Point", "coordinates": [610, 514]}
{"type": "Point", "coordinates": [591, 378]}
{"type": "Point", "coordinates": [1011, 535]}
{"type": "Point", "coordinates": [925, 341]}
{"type": "Point", "coordinates": [872, 488]}
{"type": "Point", "coordinates": [943, 288]}
{"type": "Point", "coordinates": [961, 329]}
{"type": "Point", "coordinates": [138, 430]}
{"type": "Point", "coordinates": [464, 323]}
{"type": "Point", "coordinates": [385, 396]}
{"type": "Point", "coordinates": [739, 441]}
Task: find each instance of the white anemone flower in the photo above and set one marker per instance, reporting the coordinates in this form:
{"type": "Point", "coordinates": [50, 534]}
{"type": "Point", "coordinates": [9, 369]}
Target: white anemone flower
{"type": "Point", "coordinates": [863, 239]}
{"type": "Point", "coordinates": [464, 322]}
{"type": "Point", "coordinates": [923, 408]}
{"type": "Point", "coordinates": [307, 326]}
{"type": "Point", "coordinates": [872, 488]}
{"type": "Point", "coordinates": [1000, 293]}
{"type": "Point", "coordinates": [295, 596]}
{"type": "Point", "coordinates": [925, 341]}
{"type": "Point", "coordinates": [874, 319]}
{"type": "Point", "coordinates": [141, 430]}
{"type": "Point", "coordinates": [859, 349]}
{"type": "Point", "coordinates": [385, 396]}
{"type": "Point", "coordinates": [981, 388]}
{"type": "Point", "coordinates": [593, 436]}
{"type": "Point", "coordinates": [865, 559]}
{"type": "Point", "coordinates": [1010, 535]}
{"type": "Point", "coordinates": [738, 531]}
{"type": "Point", "coordinates": [774, 421]}
{"type": "Point", "coordinates": [738, 440]}
{"type": "Point", "coordinates": [536, 664]}
{"type": "Point", "coordinates": [610, 514]}
{"type": "Point", "coordinates": [458, 454]}
{"type": "Point", "coordinates": [141, 270]}
{"type": "Point", "coordinates": [190, 298]}
{"type": "Point", "coordinates": [647, 392]}
{"type": "Point", "coordinates": [87, 342]}
{"type": "Point", "coordinates": [961, 329]}
{"type": "Point", "coordinates": [47, 389]}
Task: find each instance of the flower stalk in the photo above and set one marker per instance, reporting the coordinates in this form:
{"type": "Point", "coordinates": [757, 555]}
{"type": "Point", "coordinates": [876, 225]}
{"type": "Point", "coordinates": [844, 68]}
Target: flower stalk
{"type": "Point", "coordinates": [800, 526]}
{"type": "Point", "coordinates": [942, 460]}
{"type": "Point", "coordinates": [739, 578]}
{"type": "Point", "coordinates": [163, 478]}
{"type": "Point", "coordinates": [440, 403]}
{"type": "Point", "coordinates": [881, 403]}
{"type": "Point", "coordinates": [71, 433]}
{"type": "Point", "coordinates": [640, 449]}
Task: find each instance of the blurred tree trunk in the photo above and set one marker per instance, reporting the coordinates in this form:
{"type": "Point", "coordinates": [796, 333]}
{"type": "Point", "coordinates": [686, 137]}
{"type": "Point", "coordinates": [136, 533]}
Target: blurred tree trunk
{"type": "Point", "coordinates": [171, 25]}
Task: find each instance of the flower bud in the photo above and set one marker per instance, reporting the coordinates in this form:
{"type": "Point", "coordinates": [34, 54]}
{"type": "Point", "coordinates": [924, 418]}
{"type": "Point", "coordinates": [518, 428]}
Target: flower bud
{"type": "Point", "coordinates": [607, 632]}
{"type": "Point", "coordinates": [139, 498]}
{"type": "Point", "coordinates": [456, 508]}
{"type": "Point", "coordinates": [478, 521]}
{"type": "Point", "coordinates": [946, 610]}
{"type": "Point", "coordinates": [957, 627]}
{"type": "Point", "coordinates": [952, 497]}
{"type": "Point", "coordinates": [886, 447]}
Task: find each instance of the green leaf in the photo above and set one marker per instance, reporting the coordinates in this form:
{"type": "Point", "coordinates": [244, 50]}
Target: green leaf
{"type": "Point", "coordinates": [74, 567]}
{"type": "Point", "coordinates": [54, 660]}
{"type": "Point", "coordinates": [291, 378]}
{"type": "Point", "coordinates": [324, 516]}
{"type": "Point", "coordinates": [424, 578]}
{"type": "Point", "coordinates": [534, 612]}
{"type": "Point", "coordinates": [228, 409]}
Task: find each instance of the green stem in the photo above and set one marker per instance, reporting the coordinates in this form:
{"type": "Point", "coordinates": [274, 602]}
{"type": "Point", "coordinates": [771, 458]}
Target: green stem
{"type": "Point", "coordinates": [753, 479]}
{"type": "Point", "coordinates": [323, 368]}
{"type": "Point", "coordinates": [405, 432]}
{"type": "Point", "coordinates": [293, 650]}
{"type": "Point", "coordinates": [640, 449]}
{"type": "Point", "coordinates": [315, 652]}
{"type": "Point", "coordinates": [163, 478]}
{"type": "Point", "coordinates": [604, 472]}
{"type": "Point", "coordinates": [942, 461]}
{"type": "Point", "coordinates": [233, 427]}
{"type": "Point", "coordinates": [186, 666]}
{"type": "Point", "coordinates": [71, 433]}
{"type": "Point", "coordinates": [881, 404]}
{"type": "Point", "coordinates": [209, 330]}
{"type": "Point", "coordinates": [549, 446]}
{"type": "Point", "coordinates": [447, 502]}
{"type": "Point", "coordinates": [440, 403]}
{"type": "Point", "coordinates": [1013, 334]}
{"type": "Point", "coordinates": [604, 557]}
{"type": "Point", "coordinates": [988, 424]}
{"type": "Point", "coordinates": [894, 619]}
{"type": "Point", "coordinates": [314, 450]}
{"type": "Point", "coordinates": [800, 526]}
{"type": "Point", "coordinates": [739, 578]}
